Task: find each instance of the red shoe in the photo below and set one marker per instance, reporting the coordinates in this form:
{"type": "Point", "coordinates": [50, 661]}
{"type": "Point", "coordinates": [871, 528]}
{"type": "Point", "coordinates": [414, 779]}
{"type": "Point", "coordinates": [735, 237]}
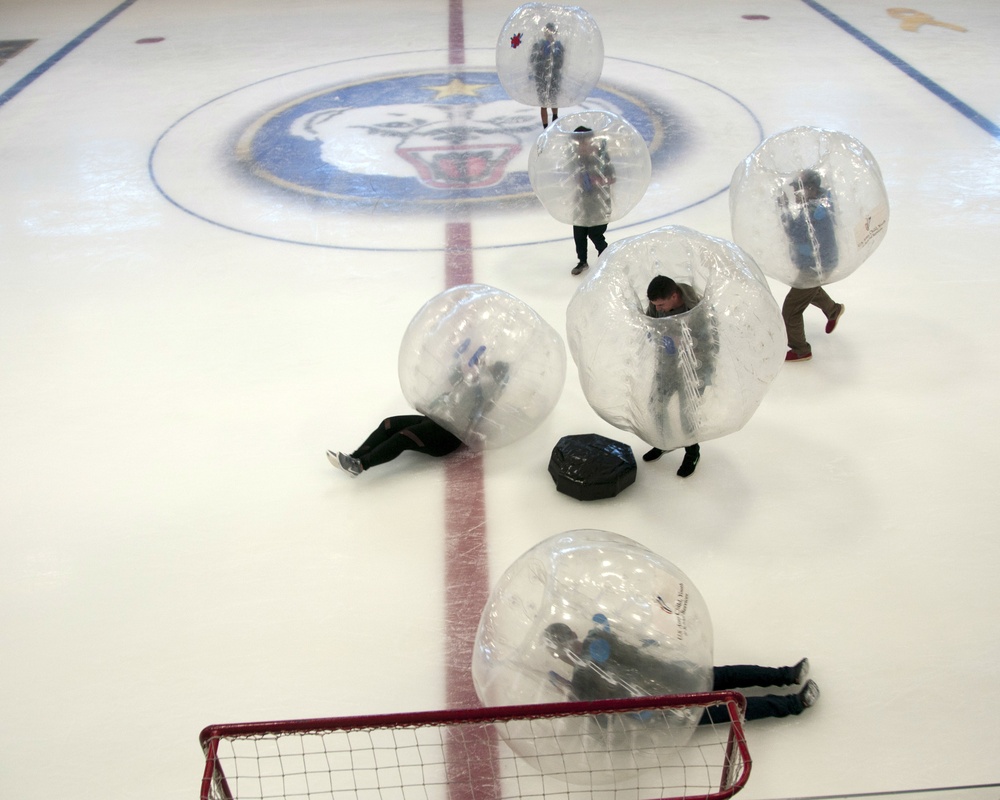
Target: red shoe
{"type": "Point", "coordinates": [832, 322]}
{"type": "Point", "coordinates": [791, 355]}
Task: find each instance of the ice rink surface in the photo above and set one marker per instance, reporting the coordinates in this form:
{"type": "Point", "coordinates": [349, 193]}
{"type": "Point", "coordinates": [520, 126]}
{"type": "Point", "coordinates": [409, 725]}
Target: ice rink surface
{"type": "Point", "coordinates": [181, 339]}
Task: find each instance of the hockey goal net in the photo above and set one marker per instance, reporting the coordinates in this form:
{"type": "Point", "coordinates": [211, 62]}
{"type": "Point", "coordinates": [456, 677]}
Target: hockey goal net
{"type": "Point", "coordinates": [639, 748]}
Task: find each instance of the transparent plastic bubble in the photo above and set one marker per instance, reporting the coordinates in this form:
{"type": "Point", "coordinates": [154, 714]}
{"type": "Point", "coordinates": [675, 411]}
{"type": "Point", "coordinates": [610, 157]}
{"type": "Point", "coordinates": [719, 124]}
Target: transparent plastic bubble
{"type": "Point", "coordinates": [549, 56]}
{"type": "Point", "coordinates": [482, 364]}
{"type": "Point", "coordinates": [589, 615]}
{"type": "Point", "coordinates": [589, 177]}
{"type": "Point", "coordinates": [809, 205]}
{"type": "Point", "coordinates": [680, 379]}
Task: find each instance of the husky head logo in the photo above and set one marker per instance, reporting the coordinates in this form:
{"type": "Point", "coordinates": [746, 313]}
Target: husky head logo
{"type": "Point", "coordinates": [448, 147]}
{"type": "Point", "coordinates": [403, 142]}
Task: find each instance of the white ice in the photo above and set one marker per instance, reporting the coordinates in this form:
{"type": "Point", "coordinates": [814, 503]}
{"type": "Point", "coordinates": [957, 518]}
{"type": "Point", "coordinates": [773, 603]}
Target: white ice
{"type": "Point", "coordinates": [177, 551]}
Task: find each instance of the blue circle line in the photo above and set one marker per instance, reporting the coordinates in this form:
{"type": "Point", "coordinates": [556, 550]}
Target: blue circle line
{"type": "Point", "coordinates": [354, 247]}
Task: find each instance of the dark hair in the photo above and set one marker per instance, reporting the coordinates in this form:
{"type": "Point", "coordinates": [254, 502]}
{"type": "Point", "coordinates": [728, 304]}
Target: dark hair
{"type": "Point", "coordinates": [559, 633]}
{"type": "Point", "coordinates": [582, 129]}
{"type": "Point", "coordinates": [811, 179]}
{"type": "Point", "coordinates": [662, 287]}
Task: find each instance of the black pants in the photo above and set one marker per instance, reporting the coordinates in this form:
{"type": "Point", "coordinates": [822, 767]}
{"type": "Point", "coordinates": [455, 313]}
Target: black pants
{"type": "Point", "coordinates": [595, 233]}
{"type": "Point", "coordinates": [741, 676]}
{"type": "Point", "coordinates": [408, 432]}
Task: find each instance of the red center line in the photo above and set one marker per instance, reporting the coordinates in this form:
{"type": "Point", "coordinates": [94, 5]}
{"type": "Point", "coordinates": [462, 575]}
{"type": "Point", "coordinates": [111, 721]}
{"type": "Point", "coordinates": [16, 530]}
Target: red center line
{"type": "Point", "coordinates": [466, 563]}
{"type": "Point", "coordinates": [456, 33]}
{"type": "Point", "coordinates": [471, 757]}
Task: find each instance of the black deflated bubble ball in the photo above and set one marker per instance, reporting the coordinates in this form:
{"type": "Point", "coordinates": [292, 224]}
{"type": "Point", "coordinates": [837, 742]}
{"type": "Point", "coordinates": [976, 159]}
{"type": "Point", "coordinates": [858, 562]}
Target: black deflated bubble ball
{"type": "Point", "coordinates": [589, 466]}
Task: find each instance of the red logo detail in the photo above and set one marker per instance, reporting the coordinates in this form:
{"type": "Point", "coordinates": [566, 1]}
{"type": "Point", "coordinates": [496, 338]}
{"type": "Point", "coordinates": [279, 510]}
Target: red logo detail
{"type": "Point", "coordinates": [515, 40]}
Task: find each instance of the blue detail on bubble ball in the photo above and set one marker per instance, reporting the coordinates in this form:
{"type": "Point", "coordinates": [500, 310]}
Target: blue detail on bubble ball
{"type": "Point", "coordinates": [599, 650]}
{"type": "Point", "coordinates": [477, 355]}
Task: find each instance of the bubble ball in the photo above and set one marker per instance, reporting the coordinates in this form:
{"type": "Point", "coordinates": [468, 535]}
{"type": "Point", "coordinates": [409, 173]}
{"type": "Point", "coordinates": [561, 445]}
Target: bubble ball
{"type": "Point", "coordinates": [590, 615]}
{"type": "Point", "coordinates": [589, 177]}
{"type": "Point", "coordinates": [679, 379]}
{"type": "Point", "coordinates": [809, 205]}
{"type": "Point", "coordinates": [549, 56]}
{"type": "Point", "coordinates": [482, 364]}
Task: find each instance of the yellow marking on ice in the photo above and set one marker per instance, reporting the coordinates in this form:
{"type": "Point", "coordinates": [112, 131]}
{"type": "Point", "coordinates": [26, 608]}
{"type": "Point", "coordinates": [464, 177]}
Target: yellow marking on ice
{"type": "Point", "coordinates": [912, 20]}
{"type": "Point", "coordinates": [457, 87]}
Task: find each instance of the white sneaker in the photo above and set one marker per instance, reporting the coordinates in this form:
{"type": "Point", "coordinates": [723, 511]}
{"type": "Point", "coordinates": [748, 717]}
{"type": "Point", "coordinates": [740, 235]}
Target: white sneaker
{"type": "Point", "coordinates": [347, 463]}
{"type": "Point", "coordinates": [809, 694]}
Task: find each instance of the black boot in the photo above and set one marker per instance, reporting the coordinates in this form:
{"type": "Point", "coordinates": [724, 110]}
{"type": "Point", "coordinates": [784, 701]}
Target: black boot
{"type": "Point", "coordinates": [692, 454]}
{"type": "Point", "coordinates": [653, 454]}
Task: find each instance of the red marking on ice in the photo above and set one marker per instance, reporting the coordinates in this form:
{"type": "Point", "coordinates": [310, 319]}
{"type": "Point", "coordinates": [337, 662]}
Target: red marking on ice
{"type": "Point", "coordinates": [456, 33]}
{"type": "Point", "coordinates": [466, 570]}
{"type": "Point", "coordinates": [472, 764]}
{"type": "Point", "coordinates": [466, 564]}
{"type": "Point", "coordinates": [458, 254]}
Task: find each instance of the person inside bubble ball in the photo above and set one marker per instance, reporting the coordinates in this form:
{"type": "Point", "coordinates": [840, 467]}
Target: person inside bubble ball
{"type": "Point", "coordinates": [809, 224]}
{"type": "Point", "coordinates": [606, 667]}
{"type": "Point", "coordinates": [595, 175]}
{"type": "Point", "coordinates": [473, 391]}
{"type": "Point", "coordinates": [546, 60]}
{"type": "Point", "coordinates": [668, 298]}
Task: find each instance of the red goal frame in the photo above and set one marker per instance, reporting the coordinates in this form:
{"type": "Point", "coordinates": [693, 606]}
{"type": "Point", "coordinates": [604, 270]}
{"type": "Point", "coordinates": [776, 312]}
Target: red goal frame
{"type": "Point", "coordinates": [473, 732]}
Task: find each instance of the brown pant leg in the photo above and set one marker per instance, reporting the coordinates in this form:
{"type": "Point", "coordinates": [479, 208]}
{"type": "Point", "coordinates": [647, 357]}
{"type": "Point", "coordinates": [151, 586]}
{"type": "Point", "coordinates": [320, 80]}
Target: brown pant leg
{"type": "Point", "coordinates": [796, 302]}
{"type": "Point", "coordinates": [824, 302]}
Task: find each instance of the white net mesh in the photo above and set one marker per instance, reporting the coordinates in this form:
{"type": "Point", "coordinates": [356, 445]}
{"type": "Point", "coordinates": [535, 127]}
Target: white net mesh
{"type": "Point", "coordinates": [599, 754]}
